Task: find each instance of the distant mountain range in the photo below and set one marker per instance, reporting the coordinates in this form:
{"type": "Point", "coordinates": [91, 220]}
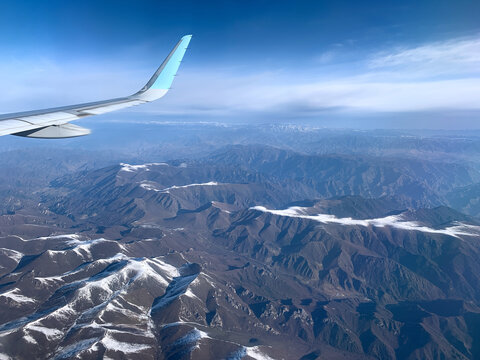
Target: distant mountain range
{"type": "Point", "coordinates": [249, 252]}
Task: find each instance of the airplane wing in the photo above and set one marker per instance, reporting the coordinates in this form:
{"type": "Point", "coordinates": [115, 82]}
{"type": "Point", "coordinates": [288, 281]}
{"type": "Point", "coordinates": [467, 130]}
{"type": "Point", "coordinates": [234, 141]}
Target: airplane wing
{"type": "Point", "coordinates": [55, 123]}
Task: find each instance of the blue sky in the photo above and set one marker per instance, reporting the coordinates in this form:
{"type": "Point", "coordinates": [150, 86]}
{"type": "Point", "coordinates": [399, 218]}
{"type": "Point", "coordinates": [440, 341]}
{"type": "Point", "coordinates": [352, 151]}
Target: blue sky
{"type": "Point", "coordinates": [332, 63]}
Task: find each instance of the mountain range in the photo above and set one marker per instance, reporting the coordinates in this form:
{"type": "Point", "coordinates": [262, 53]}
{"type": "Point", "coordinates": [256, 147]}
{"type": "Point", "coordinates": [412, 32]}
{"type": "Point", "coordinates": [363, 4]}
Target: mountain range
{"type": "Point", "coordinates": [247, 252]}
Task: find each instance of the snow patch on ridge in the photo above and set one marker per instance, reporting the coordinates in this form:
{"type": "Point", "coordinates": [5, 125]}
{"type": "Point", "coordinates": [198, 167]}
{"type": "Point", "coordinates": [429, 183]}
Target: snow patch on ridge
{"type": "Point", "coordinates": [48, 332]}
{"type": "Point", "coordinates": [253, 352]}
{"type": "Point", "coordinates": [177, 287]}
{"type": "Point", "coordinates": [395, 221]}
{"type": "Point", "coordinates": [83, 267]}
{"type": "Point", "coordinates": [190, 294]}
{"type": "Point", "coordinates": [168, 270]}
{"type": "Point", "coordinates": [61, 236]}
{"type": "Point", "coordinates": [85, 246]}
{"type": "Point", "coordinates": [29, 339]}
{"type": "Point", "coordinates": [18, 298]}
{"type": "Point", "coordinates": [191, 337]}
{"type": "Point", "coordinates": [134, 168]}
{"type": "Point", "coordinates": [126, 348]}
{"type": "Point", "coordinates": [148, 185]}
{"type": "Point", "coordinates": [122, 275]}
{"type": "Point", "coordinates": [12, 254]}
{"type": "Point", "coordinates": [75, 349]}
{"type": "Point", "coordinates": [82, 247]}
{"type": "Point", "coordinates": [210, 183]}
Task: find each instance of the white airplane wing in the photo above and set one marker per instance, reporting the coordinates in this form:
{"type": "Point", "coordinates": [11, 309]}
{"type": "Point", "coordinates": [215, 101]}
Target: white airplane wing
{"type": "Point", "coordinates": [55, 123]}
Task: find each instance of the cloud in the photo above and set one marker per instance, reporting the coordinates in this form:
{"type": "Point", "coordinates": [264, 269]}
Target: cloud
{"type": "Point", "coordinates": [262, 94]}
{"type": "Point", "coordinates": [435, 77]}
{"type": "Point", "coordinates": [452, 57]}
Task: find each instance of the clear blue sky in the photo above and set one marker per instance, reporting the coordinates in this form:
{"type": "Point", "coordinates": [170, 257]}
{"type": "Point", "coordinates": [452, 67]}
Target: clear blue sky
{"type": "Point", "coordinates": [324, 61]}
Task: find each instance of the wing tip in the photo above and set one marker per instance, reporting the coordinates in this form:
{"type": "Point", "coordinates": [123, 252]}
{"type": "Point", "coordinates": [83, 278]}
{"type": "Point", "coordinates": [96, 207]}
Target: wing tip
{"type": "Point", "coordinates": [185, 40]}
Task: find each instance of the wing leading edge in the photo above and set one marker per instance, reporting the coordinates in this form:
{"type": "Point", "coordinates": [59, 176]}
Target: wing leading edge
{"type": "Point", "coordinates": [54, 123]}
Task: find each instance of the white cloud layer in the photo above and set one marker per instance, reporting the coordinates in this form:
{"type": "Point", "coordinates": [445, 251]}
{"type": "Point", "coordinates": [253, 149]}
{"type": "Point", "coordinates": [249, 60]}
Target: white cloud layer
{"type": "Point", "coordinates": [434, 77]}
{"type": "Point", "coordinates": [460, 56]}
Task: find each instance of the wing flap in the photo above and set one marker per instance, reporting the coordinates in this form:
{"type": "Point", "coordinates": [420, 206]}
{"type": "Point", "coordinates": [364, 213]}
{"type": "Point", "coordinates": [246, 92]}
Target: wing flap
{"type": "Point", "coordinates": [55, 132]}
{"type": "Point", "coordinates": [49, 118]}
{"type": "Point", "coordinates": [11, 126]}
